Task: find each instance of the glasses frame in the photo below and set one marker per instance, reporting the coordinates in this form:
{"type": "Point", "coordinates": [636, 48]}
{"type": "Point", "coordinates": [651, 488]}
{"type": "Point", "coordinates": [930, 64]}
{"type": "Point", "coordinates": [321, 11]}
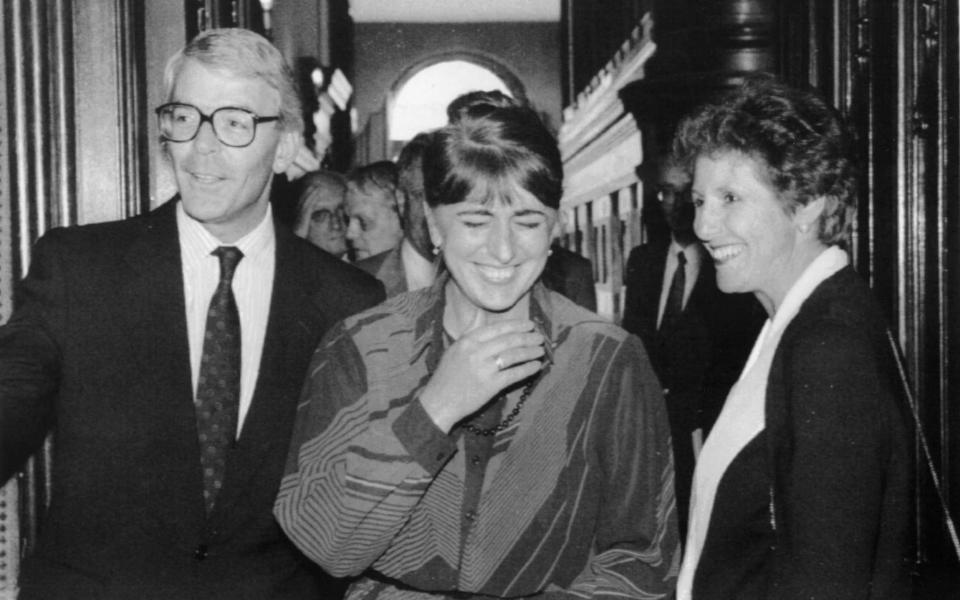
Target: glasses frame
{"type": "Point", "coordinates": [208, 118]}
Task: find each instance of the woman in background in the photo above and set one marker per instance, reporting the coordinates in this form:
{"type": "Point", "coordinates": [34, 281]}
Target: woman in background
{"type": "Point", "coordinates": [802, 489]}
{"type": "Point", "coordinates": [321, 218]}
{"type": "Point", "coordinates": [485, 436]}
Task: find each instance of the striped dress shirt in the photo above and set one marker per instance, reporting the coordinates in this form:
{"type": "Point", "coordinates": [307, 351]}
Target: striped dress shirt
{"type": "Point", "coordinates": [252, 288]}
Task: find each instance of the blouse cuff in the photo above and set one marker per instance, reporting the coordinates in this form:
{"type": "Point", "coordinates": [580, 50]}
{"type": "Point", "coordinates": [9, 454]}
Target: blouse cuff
{"type": "Point", "coordinates": [421, 437]}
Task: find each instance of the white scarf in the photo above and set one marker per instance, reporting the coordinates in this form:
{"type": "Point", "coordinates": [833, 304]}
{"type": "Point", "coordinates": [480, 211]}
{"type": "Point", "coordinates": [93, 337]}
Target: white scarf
{"type": "Point", "coordinates": [743, 415]}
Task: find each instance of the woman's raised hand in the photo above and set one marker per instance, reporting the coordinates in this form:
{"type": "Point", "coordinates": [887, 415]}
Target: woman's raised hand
{"type": "Point", "coordinates": [485, 360]}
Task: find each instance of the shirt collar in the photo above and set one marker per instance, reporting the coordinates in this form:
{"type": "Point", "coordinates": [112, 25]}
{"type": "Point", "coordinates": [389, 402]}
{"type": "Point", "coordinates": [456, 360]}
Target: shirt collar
{"type": "Point", "coordinates": [692, 252]}
{"type": "Point", "coordinates": [197, 242]}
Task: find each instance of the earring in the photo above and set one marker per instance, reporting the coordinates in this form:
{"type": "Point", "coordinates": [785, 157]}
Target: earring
{"type": "Point", "coordinates": [436, 249]}
{"type": "Point", "coordinates": [550, 252]}
{"type": "Point", "coordinates": [804, 228]}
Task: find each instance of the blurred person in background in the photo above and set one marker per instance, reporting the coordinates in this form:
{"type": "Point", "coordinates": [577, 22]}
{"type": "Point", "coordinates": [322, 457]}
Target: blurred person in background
{"type": "Point", "coordinates": [410, 265]}
{"type": "Point", "coordinates": [321, 217]}
{"type": "Point", "coordinates": [373, 209]}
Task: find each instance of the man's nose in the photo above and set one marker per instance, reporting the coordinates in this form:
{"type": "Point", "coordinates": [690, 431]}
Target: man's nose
{"type": "Point", "coordinates": [206, 139]}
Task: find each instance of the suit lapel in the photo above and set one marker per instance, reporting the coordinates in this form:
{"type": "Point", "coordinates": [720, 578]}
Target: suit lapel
{"type": "Point", "coordinates": [653, 285]}
{"type": "Point", "coordinates": [161, 398]}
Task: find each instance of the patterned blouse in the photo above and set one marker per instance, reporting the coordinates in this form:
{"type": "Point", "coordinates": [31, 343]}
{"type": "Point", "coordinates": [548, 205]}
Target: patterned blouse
{"type": "Point", "coordinates": [573, 500]}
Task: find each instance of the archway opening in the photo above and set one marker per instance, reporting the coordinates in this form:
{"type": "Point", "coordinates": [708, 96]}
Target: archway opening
{"type": "Point", "coordinates": [420, 104]}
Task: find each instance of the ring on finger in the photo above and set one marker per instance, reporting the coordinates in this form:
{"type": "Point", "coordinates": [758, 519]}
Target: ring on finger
{"type": "Point", "coordinates": [499, 362]}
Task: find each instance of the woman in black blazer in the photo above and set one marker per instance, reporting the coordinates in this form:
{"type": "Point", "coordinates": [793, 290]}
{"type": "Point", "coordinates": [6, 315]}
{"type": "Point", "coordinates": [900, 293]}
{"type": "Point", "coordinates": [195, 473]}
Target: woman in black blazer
{"type": "Point", "coordinates": [802, 490]}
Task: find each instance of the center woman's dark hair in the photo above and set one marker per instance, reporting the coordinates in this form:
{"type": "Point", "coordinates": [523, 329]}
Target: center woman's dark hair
{"type": "Point", "coordinates": [489, 149]}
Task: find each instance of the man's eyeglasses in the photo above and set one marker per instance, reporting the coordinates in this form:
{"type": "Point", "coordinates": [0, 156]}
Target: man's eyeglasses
{"type": "Point", "coordinates": [665, 191]}
{"type": "Point", "coordinates": [233, 126]}
{"type": "Point", "coordinates": [336, 219]}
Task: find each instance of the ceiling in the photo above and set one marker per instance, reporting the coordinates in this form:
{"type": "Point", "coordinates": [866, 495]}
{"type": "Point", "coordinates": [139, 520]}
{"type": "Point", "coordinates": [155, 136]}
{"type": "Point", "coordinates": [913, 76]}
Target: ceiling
{"type": "Point", "coordinates": [453, 11]}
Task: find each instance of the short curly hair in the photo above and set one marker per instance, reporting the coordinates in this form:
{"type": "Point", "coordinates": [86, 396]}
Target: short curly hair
{"type": "Point", "coordinates": [799, 139]}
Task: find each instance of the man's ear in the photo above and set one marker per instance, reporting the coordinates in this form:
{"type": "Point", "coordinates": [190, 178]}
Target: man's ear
{"type": "Point", "coordinates": [287, 148]}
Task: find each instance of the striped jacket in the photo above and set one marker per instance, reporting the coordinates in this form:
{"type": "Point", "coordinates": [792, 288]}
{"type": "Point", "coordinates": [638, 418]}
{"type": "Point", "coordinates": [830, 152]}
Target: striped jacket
{"type": "Point", "coordinates": [573, 500]}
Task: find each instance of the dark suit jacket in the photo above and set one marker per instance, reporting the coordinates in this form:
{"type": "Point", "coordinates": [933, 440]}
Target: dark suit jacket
{"type": "Point", "coordinates": [97, 348]}
{"type": "Point", "coordinates": [572, 275]}
{"type": "Point", "coordinates": [834, 461]}
{"type": "Point", "coordinates": [388, 268]}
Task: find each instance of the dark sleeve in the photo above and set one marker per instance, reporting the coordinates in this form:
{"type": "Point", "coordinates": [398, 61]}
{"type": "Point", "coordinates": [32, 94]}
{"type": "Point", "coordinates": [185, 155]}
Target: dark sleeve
{"type": "Point", "coordinates": [637, 539]}
{"type": "Point", "coordinates": [581, 275]}
{"type": "Point", "coordinates": [30, 358]}
{"type": "Point", "coordinates": [631, 302]}
{"type": "Point", "coordinates": [829, 493]}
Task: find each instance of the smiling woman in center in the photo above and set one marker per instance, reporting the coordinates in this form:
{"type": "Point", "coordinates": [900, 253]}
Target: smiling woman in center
{"type": "Point", "coordinates": [485, 436]}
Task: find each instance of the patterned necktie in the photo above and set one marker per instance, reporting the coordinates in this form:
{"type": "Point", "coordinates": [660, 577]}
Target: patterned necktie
{"type": "Point", "coordinates": [218, 386]}
{"type": "Point", "coordinates": [671, 312]}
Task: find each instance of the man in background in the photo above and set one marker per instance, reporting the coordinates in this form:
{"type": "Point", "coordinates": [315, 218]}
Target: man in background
{"type": "Point", "coordinates": [410, 265]}
{"type": "Point", "coordinates": [167, 354]}
{"type": "Point", "coordinates": [698, 338]}
{"type": "Point", "coordinates": [373, 209]}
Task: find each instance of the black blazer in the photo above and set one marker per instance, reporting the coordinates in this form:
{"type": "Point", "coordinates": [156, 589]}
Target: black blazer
{"type": "Point", "coordinates": [97, 349]}
{"type": "Point", "coordinates": [818, 505]}
{"type": "Point", "coordinates": [702, 357]}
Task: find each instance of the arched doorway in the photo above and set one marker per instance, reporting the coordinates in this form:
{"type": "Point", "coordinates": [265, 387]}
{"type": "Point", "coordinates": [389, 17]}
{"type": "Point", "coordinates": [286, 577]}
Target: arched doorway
{"type": "Point", "coordinates": [419, 100]}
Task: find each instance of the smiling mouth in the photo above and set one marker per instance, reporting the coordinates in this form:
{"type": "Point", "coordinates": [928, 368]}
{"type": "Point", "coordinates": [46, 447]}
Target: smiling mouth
{"type": "Point", "coordinates": [496, 274]}
{"type": "Point", "coordinates": [206, 178]}
{"type": "Point", "coordinates": [722, 254]}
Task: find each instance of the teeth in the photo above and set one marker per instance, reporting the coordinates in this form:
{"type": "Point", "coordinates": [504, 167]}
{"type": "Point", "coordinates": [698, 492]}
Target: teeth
{"type": "Point", "coordinates": [725, 252]}
{"type": "Point", "coordinates": [496, 274]}
{"type": "Point", "coordinates": [205, 178]}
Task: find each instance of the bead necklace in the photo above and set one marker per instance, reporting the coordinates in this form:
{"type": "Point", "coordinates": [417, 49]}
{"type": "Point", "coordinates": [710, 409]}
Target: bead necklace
{"type": "Point", "coordinates": [509, 418]}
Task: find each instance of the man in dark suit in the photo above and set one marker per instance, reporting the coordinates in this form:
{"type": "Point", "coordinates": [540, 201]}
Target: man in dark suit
{"type": "Point", "coordinates": [409, 265]}
{"type": "Point", "coordinates": [167, 353]}
{"type": "Point", "coordinates": [571, 274]}
{"type": "Point", "coordinates": [698, 343]}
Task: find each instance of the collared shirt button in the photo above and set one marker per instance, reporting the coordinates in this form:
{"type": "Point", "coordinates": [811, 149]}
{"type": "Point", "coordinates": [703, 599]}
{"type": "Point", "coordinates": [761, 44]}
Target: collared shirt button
{"type": "Point", "coordinates": [471, 515]}
{"type": "Point", "coordinates": [475, 460]}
